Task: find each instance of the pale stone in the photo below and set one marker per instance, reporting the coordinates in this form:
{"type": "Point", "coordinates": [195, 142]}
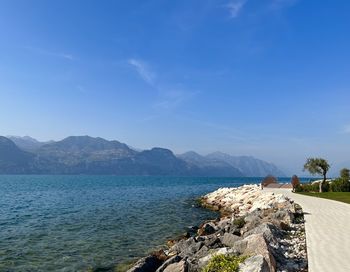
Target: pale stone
{"type": "Point", "coordinates": [254, 264]}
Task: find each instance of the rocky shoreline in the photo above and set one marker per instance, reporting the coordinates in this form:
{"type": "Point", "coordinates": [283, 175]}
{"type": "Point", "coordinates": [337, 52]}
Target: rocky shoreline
{"type": "Point", "coordinates": [257, 231]}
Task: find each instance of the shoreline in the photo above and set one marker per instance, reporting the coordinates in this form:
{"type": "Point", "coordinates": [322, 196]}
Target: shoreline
{"type": "Point", "coordinates": [264, 230]}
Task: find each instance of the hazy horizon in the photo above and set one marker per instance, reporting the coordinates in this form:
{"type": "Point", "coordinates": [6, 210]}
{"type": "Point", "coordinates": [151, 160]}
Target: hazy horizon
{"type": "Point", "coordinates": [288, 171]}
{"type": "Point", "coordinates": [265, 78]}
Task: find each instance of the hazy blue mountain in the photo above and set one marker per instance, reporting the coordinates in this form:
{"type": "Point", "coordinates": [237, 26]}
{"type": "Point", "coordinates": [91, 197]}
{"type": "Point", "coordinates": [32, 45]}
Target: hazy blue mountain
{"type": "Point", "coordinates": [12, 159]}
{"type": "Point", "coordinates": [160, 161]}
{"type": "Point", "coordinates": [26, 142]}
{"type": "Point", "coordinates": [82, 155]}
{"type": "Point", "coordinates": [248, 165]}
{"type": "Point", "coordinates": [85, 148]}
{"type": "Point", "coordinates": [211, 167]}
{"type": "Point", "coordinates": [89, 155]}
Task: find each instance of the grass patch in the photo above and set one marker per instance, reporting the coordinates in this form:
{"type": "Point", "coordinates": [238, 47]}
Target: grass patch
{"type": "Point", "coordinates": [224, 263]}
{"type": "Point", "coordinates": [338, 196]}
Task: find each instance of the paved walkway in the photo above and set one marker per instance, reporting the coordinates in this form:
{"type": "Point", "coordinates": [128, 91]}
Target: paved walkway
{"type": "Point", "coordinates": [327, 225]}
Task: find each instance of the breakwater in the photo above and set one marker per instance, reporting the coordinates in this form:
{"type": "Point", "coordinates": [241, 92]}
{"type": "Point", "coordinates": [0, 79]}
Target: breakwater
{"type": "Point", "coordinates": [264, 231]}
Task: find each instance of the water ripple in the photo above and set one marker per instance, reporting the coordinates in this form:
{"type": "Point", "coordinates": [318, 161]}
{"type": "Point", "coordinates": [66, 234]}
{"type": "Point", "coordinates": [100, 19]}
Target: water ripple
{"type": "Point", "coordinates": [72, 223]}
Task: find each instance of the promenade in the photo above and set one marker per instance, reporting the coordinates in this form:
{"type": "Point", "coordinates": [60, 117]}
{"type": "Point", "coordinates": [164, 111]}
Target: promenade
{"type": "Point", "coordinates": [327, 225]}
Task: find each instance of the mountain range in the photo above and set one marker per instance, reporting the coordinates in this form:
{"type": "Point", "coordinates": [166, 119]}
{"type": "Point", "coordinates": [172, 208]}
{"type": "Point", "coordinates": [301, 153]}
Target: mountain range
{"type": "Point", "coordinates": [89, 155]}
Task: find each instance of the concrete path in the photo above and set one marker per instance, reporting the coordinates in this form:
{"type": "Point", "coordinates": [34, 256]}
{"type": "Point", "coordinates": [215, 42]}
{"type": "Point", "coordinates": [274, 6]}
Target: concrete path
{"type": "Point", "coordinates": [327, 226]}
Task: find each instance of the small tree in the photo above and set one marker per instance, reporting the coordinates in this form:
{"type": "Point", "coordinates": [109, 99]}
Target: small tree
{"type": "Point", "coordinates": [268, 180]}
{"type": "Point", "coordinates": [345, 174]}
{"type": "Point", "coordinates": [344, 177]}
{"type": "Point", "coordinates": [295, 182]}
{"type": "Point", "coordinates": [317, 166]}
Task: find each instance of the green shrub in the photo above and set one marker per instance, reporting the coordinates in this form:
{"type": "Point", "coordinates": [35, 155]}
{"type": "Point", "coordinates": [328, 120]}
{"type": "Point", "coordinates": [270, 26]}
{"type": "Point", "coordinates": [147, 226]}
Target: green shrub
{"type": "Point", "coordinates": [325, 186]}
{"type": "Point", "coordinates": [224, 263]}
{"type": "Point", "coordinates": [313, 187]}
{"type": "Point", "coordinates": [308, 187]}
{"type": "Point", "coordinates": [299, 188]}
{"type": "Point", "coordinates": [345, 174]}
{"type": "Point", "coordinates": [340, 185]}
{"type": "Point", "coordinates": [239, 222]}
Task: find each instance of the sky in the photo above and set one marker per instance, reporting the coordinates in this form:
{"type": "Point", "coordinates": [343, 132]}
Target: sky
{"type": "Point", "coordinates": [267, 78]}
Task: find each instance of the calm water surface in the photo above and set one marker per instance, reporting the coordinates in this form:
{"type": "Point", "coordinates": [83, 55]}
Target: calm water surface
{"type": "Point", "coordinates": [76, 223]}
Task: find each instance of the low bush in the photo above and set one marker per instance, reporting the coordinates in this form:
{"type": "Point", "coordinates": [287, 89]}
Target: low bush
{"type": "Point", "coordinates": [239, 222]}
{"type": "Point", "coordinates": [312, 187]}
{"type": "Point", "coordinates": [340, 185]}
{"type": "Point", "coordinates": [224, 263]}
{"type": "Point", "coordinates": [307, 187]}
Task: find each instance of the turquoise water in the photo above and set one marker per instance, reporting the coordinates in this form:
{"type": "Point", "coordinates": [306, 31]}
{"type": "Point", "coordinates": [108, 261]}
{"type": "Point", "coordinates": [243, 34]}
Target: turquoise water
{"type": "Point", "coordinates": [72, 223]}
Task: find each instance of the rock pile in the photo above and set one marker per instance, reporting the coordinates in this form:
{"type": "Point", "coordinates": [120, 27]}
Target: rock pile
{"type": "Point", "coordinates": [265, 228]}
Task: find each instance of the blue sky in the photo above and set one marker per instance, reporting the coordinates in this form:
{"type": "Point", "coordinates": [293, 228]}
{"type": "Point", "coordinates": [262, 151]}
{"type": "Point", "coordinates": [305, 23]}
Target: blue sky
{"type": "Point", "coordinates": [269, 78]}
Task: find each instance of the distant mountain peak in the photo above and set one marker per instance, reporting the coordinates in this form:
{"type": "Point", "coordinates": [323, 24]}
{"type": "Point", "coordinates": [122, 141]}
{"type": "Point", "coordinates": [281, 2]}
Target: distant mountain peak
{"type": "Point", "coordinates": [12, 159]}
{"type": "Point", "coordinates": [6, 142]}
{"type": "Point", "coordinates": [190, 153]}
{"type": "Point", "coordinates": [25, 138]}
{"type": "Point", "coordinates": [159, 151]}
{"type": "Point", "coordinates": [82, 138]}
{"type": "Point", "coordinates": [85, 146]}
{"type": "Point", "coordinates": [217, 154]}
{"type": "Point", "coordinates": [26, 143]}
{"type": "Point", "coordinates": [95, 155]}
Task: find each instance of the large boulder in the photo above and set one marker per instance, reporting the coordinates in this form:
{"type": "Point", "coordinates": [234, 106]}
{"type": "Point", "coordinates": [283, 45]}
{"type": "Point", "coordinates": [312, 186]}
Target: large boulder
{"type": "Point", "coordinates": [176, 267]}
{"type": "Point", "coordinates": [188, 246]}
{"type": "Point", "coordinates": [147, 264]}
{"type": "Point", "coordinates": [229, 239]}
{"type": "Point", "coordinates": [211, 241]}
{"type": "Point", "coordinates": [224, 224]}
{"type": "Point", "coordinates": [207, 228]}
{"type": "Point", "coordinates": [257, 245]}
{"type": "Point", "coordinates": [283, 217]}
{"type": "Point", "coordinates": [252, 221]}
{"type": "Point", "coordinates": [254, 264]}
{"type": "Point", "coordinates": [172, 260]}
{"type": "Point", "coordinates": [204, 251]}
{"type": "Point", "coordinates": [269, 231]}
{"type": "Point", "coordinates": [239, 247]}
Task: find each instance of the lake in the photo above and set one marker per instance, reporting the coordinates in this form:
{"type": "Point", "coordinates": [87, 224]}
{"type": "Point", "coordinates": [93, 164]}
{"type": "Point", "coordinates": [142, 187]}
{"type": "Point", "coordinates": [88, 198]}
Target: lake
{"type": "Point", "coordinates": [76, 223]}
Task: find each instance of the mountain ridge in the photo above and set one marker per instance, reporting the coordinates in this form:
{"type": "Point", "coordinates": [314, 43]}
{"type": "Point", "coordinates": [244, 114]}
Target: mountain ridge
{"type": "Point", "coordinates": [27, 143]}
{"type": "Point", "coordinates": [248, 165]}
{"type": "Point", "coordinates": [95, 155]}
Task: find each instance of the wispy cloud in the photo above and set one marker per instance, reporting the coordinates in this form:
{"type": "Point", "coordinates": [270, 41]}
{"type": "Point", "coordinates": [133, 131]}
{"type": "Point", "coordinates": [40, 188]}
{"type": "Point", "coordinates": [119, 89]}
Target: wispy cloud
{"type": "Point", "coordinates": [235, 6]}
{"type": "Point", "coordinates": [143, 70]}
{"type": "Point", "coordinates": [172, 98]}
{"type": "Point", "coordinates": [169, 96]}
{"type": "Point", "coordinates": [65, 56]}
{"type": "Point", "coordinates": [46, 52]}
